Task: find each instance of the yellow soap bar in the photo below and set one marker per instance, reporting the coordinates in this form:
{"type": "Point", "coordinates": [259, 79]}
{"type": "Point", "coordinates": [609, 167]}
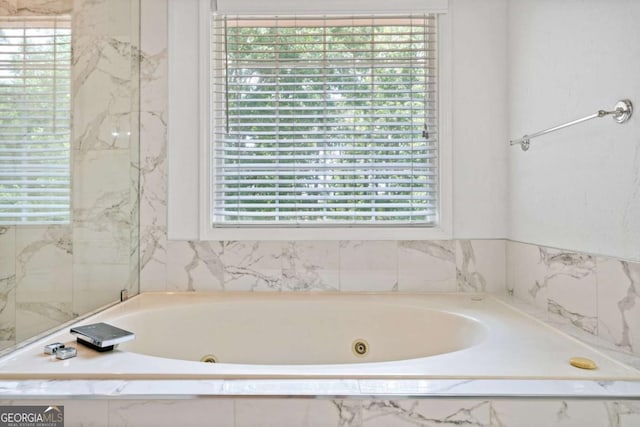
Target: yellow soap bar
{"type": "Point", "coordinates": [583, 363]}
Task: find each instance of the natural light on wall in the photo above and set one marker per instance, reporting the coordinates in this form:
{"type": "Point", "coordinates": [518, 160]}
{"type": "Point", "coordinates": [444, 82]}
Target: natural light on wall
{"type": "Point", "coordinates": [35, 62]}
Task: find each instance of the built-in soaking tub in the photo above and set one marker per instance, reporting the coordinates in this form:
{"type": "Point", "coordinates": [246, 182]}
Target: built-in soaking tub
{"type": "Point", "coordinates": [319, 336]}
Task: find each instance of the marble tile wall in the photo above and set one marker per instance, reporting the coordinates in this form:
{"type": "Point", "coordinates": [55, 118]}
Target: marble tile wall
{"type": "Point", "coordinates": [7, 286]}
{"type": "Point", "coordinates": [153, 145]}
{"type": "Point", "coordinates": [300, 412]}
{"type": "Point", "coordinates": [51, 274]}
{"type": "Point", "coordinates": [595, 294]}
{"type": "Point", "coordinates": [447, 266]}
{"type": "Point", "coordinates": [44, 268]}
{"type": "Point", "coordinates": [105, 151]}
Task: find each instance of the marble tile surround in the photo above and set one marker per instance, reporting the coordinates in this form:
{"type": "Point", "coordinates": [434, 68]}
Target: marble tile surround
{"type": "Point", "coordinates": [447, 266]}
{"type": "Point", "coordinates": [300, 412]}
{"type": "Point", "coordinates": [593, 294]}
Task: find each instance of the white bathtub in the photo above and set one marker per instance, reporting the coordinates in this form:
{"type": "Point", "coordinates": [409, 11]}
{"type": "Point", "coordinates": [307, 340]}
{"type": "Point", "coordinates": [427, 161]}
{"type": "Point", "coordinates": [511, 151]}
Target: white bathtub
{"type": "Point", "coordinates": [284, 335]}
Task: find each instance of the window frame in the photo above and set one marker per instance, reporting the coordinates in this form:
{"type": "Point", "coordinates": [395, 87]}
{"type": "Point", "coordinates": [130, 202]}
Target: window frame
{"type": "Point", "coordinates": [189, 211]}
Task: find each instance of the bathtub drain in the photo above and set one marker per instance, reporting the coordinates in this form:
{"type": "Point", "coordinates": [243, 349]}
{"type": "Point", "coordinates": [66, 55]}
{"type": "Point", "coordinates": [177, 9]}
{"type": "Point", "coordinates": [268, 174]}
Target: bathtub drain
{"type": "Point", "coordinates": [360, 347]}
{"type": "Point", "coordinates": [209, 358]}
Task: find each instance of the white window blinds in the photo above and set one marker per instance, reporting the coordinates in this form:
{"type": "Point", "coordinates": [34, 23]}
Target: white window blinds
{"type": "Point", "coordinates": [324, 120]}
{"type": "Point", "coordinates": [35, 62]}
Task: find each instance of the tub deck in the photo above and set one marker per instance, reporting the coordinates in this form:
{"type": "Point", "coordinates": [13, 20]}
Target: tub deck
{"type": "Point", "coordinates": [516, 346]}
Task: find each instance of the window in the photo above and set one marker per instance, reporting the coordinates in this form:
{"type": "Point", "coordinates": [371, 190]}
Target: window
{"type": "Point", "coordinates": [296, 120]}
{"type": "Point", "coordinates": [35, 63]}
{"type": "Point", "coordinates": [324, 121]}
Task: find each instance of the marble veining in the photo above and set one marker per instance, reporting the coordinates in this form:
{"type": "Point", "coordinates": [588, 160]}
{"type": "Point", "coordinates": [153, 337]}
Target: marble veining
{"type": "Point", "coordinates": [552, 279]}
{"type": "Point", "coordinates": [424, 264]}
{"type": "Point", "coordinates": [254, 266]}
{"type": "Point", "coordinates": [422, 413]}
{"type": "Point", "coordinates": [153, 147]}
{"type": "Point", "coordinates": [566, 412]}
{"type": "Point", "coordinates": [250, 412]}
{"type": "Point", "coordinates": [628, 303]}
{"type": "Point", "coordinates": [34, 241]}
{"type": "Point", "coordinates": [43, 267]}
{"type": "Point", "coordinates": [7, 312]}
{"type": "Point", "coordinates": [204, 254]}
{"type": "Point", "coordinates": [153, 164]}
{"type": "Point", "coordinates": [469, 279]}
{"type": "Point", "coordinates": [152, 73]}
{"type": "Point", "coordinates": [327, 388]}
{"type": "Point", "coordinates": [153, 190]}
{"type": "Point", "coordinates": [314, 265]}
{"type": "Point", "coordinates": [619, 309]}
{"type": "Point", "coordinates": [44, 262]}
{"type": "Point", "coordinates": [587, 323]}
{"type": "Point", "coordinates": [572, 264]}
{"type": "Point", "coordinates": [7, 287]}
{"type": "Point", "coordinates": [50, 313]}
{"type": "Point", "coordinates": [601, 343]}
{"type": "Point", "coordinates": [623, 413]}
{"type": "Point", "coordinates": [595, 294]}
{"type": "Point", "coordinates": [442, 250]}
{"type": "Point", "coordinates": [569, 264]}
{"type": "Point", "coordinates": [309, 266]}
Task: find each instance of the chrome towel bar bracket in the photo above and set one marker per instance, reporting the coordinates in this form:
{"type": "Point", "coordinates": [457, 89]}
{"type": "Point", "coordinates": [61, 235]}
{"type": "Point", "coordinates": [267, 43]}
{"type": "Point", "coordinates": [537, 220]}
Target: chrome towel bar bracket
{"type": "Point", "coordinates": [621, 113]}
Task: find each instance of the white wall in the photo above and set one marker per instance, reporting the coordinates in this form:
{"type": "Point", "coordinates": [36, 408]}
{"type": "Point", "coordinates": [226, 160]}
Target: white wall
{"type": "Point", "coordinates": [479, 118]}
{"type": "Point", "coordinates": [578, 188]}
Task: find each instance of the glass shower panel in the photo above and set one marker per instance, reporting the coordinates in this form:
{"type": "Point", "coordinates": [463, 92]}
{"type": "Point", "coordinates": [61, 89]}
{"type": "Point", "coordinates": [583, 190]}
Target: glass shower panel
{"type": "Point", "coordinates": [54, 271]}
